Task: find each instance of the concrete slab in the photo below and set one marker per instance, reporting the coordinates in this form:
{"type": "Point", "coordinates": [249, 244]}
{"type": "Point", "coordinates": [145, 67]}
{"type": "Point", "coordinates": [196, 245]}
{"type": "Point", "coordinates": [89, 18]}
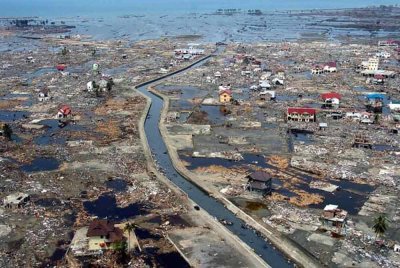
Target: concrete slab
{"type": "Point", "coordinates": [322, 239]}
{"type": "Point", "coordinates": [205, 248]}
{"type": "Point", "coordinates": [182, 142]}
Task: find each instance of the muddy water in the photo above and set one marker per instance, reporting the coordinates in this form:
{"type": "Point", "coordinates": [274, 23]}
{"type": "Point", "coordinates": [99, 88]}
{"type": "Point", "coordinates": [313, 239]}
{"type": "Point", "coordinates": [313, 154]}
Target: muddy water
{"type": "Point", "coordinates": [267, 252]}
{"type": "Point", "coordinates": [106, 207]}
{"type": "Point", "coordinates": [41, 164]}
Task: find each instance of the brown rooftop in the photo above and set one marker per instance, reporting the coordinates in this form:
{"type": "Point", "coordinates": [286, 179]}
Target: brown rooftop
{"type": "Point", "coordinates": [260, 176]}
{"type": "Point", "coordinates": [100, 228]}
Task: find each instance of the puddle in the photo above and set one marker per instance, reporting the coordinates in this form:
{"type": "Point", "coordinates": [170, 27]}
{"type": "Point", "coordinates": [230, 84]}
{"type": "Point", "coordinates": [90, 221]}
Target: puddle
{"type": "Point", "coordinates": [215, 115]}
{"type": "Point", "coordinates": [26, 99]}
{"type": "Point", "coordinates": [48, 202]}
{"type": "Point", "coordinates": [248, 159]}
{"type": "Point", "coordinates": [117, 184]}
{"type": "Point", "coordinates": [302, 136]}
{"type": "Point", "coordinates": [142, 233]}
{"type": "Point", "coordinates": [349, 196]}
{"type": "Point", "coordinates": [359, 88]}
{"type": "Point", "coordinates": [173, 259]}
{"type": "Point", "coordinates": [53, 129]}
{"type": "Point", "coordinates": [39, 72]}
{"type": "Point", "coordinates": [254, 207]}
{"type": "Point", "coordinates": [10, 116]}
{"type": "Point", "coordinates": [105, 207]}
{"type": "Point", "coordinates": [41, 164]}
{"type": "Point", "coordinates": [384, 147]}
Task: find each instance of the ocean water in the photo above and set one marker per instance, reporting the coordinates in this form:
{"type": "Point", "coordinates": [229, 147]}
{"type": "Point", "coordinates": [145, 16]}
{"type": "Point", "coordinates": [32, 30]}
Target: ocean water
{"type": "Point", "coordinates": [52, 8]}
{"type": "Point", "coordinates": [133, 20]}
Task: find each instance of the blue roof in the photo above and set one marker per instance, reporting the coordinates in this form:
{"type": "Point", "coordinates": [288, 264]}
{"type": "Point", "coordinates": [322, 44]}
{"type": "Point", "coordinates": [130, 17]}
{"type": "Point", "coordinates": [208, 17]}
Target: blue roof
{"type": "Point", "coordinates": [375, 96]}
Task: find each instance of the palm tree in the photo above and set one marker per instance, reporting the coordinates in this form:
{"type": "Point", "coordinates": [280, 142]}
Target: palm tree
{"type": "Point", "coordinates": [129, 227]}
{"type": "Point", "coordinates": [380, 225]}
{"type": "Point", "coordinates": [7, 131]}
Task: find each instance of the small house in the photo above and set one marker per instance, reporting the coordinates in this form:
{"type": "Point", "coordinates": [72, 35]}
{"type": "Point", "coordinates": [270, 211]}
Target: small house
{"type": "Point", "coordinates": [331, 99]}
{"type": "Point", "coordinates": [334, 219]}
{"type": "Point", "coordinates": [267, 94]}
{"type": "Point", "coordinates": [225, 96]}
{"type": "Point", "coordinates": [61, 67]}
{"type": "Point", "coordinates": [30, 59]}
{"type": "Point", "coordinates": [383, 54]}
{"type": "Point", "coordinates": [330, 67]}
{"type": "Point", "coordinates": [317, 69]}
{"type": "Point", "coordinates": [278, 82]}
{"type": "Point", "coordinates": [259, 181]}
{"type": "Point", "coordinates": [44, 94]}
{"type": "Point", "coordinates": [394, 105]}
{"type": "Point", "coordinates": [217, 74]}
{"type": "Point", "coordinates": [90, 86]}
{"type": "Point", "coordinates": [378, 79]}
{"type": "Point", "coordinates": [361, 141]}
{"type": "Point", "coordinates": [375, 102]}
{"type": "Point", "coordinates": [264, 84]}
{"type": "Point", "coordinates": [301, 114]}
{"type": "Point", "coordinates": [3, 129]}
{"type": "Point", "coordinates": [102, 234]}
{"type": "Point", "coordinates": [366, 118]}
{"type": "Point", "coordinates": [323, 126]}
{"type": "Point", "coordinates": [64, 112]}
{"type": "Point", "coordinates": [15, 200]}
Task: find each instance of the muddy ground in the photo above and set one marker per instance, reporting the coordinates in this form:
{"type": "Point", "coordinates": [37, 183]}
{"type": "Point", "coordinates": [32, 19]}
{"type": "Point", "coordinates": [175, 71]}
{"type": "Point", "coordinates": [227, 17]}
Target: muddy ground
{"type": "Point", "coordinates": [90, 166]}
{"type": "Point", "coordinates": [223, 143]}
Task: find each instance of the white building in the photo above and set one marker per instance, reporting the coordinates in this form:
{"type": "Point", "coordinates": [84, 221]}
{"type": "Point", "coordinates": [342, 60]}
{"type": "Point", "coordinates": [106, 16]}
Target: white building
{"type": "Point", "coordinates": [373, 64]}
{"type": "Point", "coordinates": [383, 54]}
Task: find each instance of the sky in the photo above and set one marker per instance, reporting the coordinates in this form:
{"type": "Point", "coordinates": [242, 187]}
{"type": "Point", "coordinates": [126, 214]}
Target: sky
{"type": "Point", "coordinates": [54, 8]}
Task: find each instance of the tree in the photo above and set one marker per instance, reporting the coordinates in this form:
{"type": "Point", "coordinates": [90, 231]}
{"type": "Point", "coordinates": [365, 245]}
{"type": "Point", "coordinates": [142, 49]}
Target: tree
{"type": "Point", "coordinates": [64, 51]}
{"type": "Point", "coordinates": [7, 131]}
{"type": "Point", "coordinates": [129, 227]}
{"type": "Point", "coordinates": [120, 249]}
{"type": "Point", "coordinates": [380, 225]}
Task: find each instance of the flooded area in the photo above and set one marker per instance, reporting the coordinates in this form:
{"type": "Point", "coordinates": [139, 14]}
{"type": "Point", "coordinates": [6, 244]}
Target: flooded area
{"type": "Point", "coordinates": [41, 164]}
{"type": "Point", "coordinates": [11, 116]}
{"type": "Point", "coordinates": [106, 207]}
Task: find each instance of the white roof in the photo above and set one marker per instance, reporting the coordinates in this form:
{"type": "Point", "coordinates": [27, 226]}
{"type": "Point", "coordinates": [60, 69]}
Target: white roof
{"type": "Point", "coordinates": [330, 207]}
{"type": "Point", "coordinates": [323, 124]}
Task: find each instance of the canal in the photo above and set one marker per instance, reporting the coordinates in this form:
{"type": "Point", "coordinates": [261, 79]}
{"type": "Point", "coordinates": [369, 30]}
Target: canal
{"type": "Point", "coordinates": [215, 208]}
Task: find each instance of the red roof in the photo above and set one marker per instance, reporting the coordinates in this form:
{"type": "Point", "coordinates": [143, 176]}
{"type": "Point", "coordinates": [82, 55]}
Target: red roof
{"type": "Point", "coordinates": [331, 95]}
{"type": "Point", "coordinates": [227, 91]}
{"type": "Point", "coordinates": [331, 64]}
{"type": "Point", "coordinates": [301, 110]}
{"type": "Point", "coordinates": [65, 110]}
{"type": "Point", "coordinates": [61, 67]}
{"type": "Point", "coordinates": [379, 76]}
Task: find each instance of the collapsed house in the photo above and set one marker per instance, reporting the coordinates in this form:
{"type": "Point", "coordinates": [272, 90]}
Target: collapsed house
{"type": "Point", "coordinates": [44, 94]}
{"type": "Point", "coordinates": [334, 219]}
{"type": "Point", "coordinates": [16, 200]}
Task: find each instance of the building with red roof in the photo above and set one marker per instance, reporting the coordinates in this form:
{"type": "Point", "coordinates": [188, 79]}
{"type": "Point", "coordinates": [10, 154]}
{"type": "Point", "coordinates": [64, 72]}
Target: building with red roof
{"type": "Point", "coordinates": [61, 67]}
{"type": "Point", "coordinates": [331, 95]}
{"type": "Point", "coordinates": [331, 99]}
{"type": "Point", "coordinates": [64, 111]}
{"type": "Point", "coordinates": [225, 96]}
{"type": "Point", "coordinates": [303, 114]}
{"type": "Point", "coordinates": [102, 234]}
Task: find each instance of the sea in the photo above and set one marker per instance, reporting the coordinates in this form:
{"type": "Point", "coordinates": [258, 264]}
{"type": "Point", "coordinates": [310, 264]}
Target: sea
{"type": "Point", "coordinates": [151, 19]}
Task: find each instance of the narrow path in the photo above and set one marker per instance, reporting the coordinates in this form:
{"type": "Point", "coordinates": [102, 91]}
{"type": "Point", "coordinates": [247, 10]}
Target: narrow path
{"type": "Point", "coordinates": [266, 251]}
